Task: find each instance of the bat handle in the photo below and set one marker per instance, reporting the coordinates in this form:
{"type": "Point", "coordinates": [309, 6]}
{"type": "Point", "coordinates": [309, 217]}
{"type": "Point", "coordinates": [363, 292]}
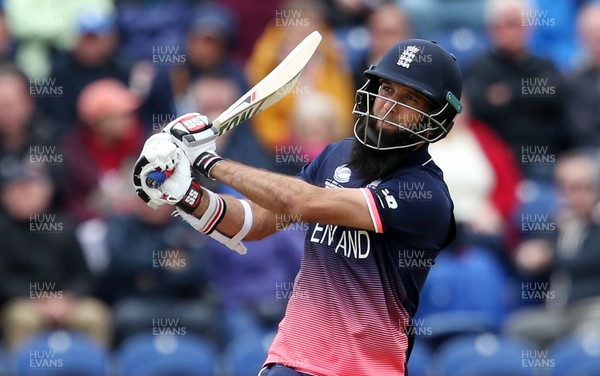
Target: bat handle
{"type": "Point", "coordinates": [156, 178]}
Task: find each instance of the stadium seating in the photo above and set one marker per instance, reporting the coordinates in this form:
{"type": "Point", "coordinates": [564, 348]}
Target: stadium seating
{"type": "Point", "coordinates": [3, 361]}
{"type": "Point", "coordinates": [420, 359]}
{"type": "Point", "coordinates": [58, 353]}
{"type": "Point", "coordinates": [463, 41]}
{"type": "Point", "coordinates": [166, 355]}
{"type": "Point", "coordinates": [469, 301]}
{"type": "Point", "coordinates": [484, 355]}
{"type": "Point", "coordinates": [575, 356]}
{"type": "Point", "coordinates": [245, 355]}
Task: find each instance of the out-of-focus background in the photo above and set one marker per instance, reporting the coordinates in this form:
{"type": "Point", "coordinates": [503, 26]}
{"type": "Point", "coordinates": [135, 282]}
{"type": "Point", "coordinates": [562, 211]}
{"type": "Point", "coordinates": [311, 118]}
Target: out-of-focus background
{"type": "Point", "coordinates": [93, 282]}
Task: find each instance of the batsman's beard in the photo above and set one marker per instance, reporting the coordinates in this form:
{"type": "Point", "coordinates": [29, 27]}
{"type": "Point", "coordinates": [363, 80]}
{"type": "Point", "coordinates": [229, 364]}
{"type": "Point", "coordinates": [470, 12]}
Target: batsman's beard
{"type": "Point", "coordinates": [372, 164]}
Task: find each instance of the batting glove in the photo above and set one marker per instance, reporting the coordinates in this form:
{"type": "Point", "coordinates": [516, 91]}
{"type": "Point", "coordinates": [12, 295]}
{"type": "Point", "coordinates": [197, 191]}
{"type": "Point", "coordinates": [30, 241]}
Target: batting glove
{"type": "Point", "coordinates": [193, 133]}
{"type": "Point", "coordinates": [159, 153]}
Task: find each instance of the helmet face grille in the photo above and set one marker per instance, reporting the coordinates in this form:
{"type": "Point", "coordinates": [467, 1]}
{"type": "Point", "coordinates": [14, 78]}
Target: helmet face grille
{"type": "Point", "coordinates": [424, 67]}
{"type": "Point", "coordinates": [414, 127]}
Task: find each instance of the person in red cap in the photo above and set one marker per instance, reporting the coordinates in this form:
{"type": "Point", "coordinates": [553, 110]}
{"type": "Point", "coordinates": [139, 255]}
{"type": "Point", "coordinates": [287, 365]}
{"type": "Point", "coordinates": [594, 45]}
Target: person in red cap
{"type": "Point", "coordinates": [107, 136]}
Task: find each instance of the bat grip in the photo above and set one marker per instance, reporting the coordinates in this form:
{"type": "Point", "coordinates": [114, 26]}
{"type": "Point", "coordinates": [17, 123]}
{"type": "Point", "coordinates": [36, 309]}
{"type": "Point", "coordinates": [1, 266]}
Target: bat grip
{"type": "Point", "coordinates": [156, 178]}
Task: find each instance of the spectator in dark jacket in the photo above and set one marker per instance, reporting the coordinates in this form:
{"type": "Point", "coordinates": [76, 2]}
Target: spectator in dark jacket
{"type": "Point", "coordinates": [44, 279]}
{"type": "Point", "coordinates": [207, 51]}
{"type": "Point", "coordinates": [566, 247]}
{"type": "Point", "coordinates": [519, 95]}
{"type": "Point", "coordinates": [584, 122]}
{"type": "Point", "coordinates": [92, 58]}
{"type": "Point", "coordinates": [157, 282]}
{"type": "Point", "coordinates": [26, 134]}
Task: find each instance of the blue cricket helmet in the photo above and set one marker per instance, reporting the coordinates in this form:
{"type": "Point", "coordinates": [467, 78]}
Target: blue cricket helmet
{"type": "Point", "coordinates": [425, 67]}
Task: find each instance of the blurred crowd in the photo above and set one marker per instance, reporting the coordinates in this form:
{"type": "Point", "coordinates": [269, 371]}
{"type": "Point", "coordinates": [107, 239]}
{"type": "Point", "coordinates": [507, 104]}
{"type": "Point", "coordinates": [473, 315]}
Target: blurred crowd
{"type": "Point", "coordinates": [85, 82]}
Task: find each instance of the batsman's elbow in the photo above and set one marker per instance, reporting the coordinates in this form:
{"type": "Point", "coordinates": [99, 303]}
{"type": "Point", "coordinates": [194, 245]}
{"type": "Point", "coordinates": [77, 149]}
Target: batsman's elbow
{"type": "Point", "coordinates": [303, 208]}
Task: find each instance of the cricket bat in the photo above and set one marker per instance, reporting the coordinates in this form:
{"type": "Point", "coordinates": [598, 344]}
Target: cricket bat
{"type": "Point", "coordinates": [270, 90]}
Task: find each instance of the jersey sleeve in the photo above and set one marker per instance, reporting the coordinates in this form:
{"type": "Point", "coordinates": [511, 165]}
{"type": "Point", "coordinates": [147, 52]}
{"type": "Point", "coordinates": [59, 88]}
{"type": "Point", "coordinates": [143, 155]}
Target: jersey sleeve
{"type": "Point", "coordinates": [309, 171]}
{"type": "Point", "coordinates": [416, 208]}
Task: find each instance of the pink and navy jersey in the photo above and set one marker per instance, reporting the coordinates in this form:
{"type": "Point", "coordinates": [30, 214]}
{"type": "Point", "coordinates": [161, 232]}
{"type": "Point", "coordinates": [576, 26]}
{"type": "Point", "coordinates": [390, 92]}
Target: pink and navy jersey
{"type": "Point", "coordinates": [356, 292]}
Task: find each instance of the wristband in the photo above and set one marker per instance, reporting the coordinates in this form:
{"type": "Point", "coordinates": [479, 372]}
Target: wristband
{"type": "Point", "coordinates": [213, 215]}
{"type": "Point", "coordinates": [235, 242]}
{"type": "Point", "coordinates": [191, 199]}
{"type": "Point", "coordinates": [246, 227]}
{"type": "Point", "coordinates": [205, 162]}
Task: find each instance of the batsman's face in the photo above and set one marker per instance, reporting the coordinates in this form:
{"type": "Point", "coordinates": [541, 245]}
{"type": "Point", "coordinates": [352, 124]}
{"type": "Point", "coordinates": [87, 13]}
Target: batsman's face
{"type": "Point", "coordinates": [400, 105]}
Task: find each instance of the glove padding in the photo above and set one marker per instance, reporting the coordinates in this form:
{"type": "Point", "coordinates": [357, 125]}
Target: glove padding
{"type": "Point", "coordinates": [159, 153]}
{"type": "Point", "coordinates": [193, 133]}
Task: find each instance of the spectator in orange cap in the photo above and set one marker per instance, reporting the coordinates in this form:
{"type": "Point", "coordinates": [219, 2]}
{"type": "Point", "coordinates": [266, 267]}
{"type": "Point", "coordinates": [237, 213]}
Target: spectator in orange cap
{"type": "Point", "coordinates": [107, 137]}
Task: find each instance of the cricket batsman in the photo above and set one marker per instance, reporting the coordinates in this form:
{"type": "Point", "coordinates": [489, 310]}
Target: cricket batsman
{"type": "Point", "coordinates": [368, 200]}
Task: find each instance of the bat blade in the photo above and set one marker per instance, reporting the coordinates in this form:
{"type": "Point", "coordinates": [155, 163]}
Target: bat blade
{"type": "Point", "coordinates": [245, 112]}
{"type": "Point", "coordinates": [272, 88]}
{"type": "Point", "coordinates": [268, 91]}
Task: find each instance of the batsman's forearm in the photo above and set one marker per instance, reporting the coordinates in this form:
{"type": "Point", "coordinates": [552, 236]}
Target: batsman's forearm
{"type": "Point", "coordinates": [264, 222]}
{"type": "Point", "coordinates": [275, 192]}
